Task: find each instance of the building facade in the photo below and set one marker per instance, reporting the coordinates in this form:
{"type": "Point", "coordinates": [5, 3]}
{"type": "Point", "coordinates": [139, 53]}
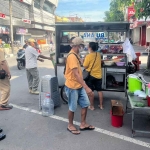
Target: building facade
{"type": "Point", "coordinates": [31, 19]}
{"type": "Point", "coordinates": [140, 29]}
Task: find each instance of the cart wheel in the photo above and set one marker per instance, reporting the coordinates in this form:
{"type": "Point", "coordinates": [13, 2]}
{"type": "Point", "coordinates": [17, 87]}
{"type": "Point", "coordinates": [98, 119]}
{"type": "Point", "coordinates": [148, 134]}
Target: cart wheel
{"type": "Point", "coordinates": [63, 94]}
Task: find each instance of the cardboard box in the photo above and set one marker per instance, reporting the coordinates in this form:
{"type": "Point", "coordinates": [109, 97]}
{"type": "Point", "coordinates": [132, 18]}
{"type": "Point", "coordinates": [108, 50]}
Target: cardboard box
{"type": "Point", "coordinates": [117, 108]}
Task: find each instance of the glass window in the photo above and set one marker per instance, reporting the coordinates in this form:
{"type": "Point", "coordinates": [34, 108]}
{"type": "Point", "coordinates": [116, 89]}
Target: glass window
{"type": "Point", "coordinates": [48, 7]}
{"type": "Point", "coordinates": [37, 4]}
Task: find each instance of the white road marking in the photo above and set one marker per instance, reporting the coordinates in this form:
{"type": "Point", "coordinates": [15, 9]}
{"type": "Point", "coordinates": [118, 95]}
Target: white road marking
{"type": "Point", "coordinates": [99, 130]}
{"type": "Point", "coordinates": [14, 77]}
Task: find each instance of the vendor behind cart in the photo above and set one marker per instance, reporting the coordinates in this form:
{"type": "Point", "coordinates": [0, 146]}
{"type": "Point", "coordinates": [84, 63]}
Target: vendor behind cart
{"type": "Point", "coordinates": [92, 64]}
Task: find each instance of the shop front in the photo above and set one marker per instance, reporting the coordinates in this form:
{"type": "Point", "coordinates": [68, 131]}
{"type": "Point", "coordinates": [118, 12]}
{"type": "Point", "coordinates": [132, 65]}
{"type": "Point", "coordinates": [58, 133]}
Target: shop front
{"type": "Point", "coordinates": [21, 35]}
{"type": "Point", "coordinates": [4, 34]}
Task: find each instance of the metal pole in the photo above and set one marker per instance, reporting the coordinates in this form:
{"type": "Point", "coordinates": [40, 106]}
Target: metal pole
{"type": "Point", "coordinates": [11, 25]}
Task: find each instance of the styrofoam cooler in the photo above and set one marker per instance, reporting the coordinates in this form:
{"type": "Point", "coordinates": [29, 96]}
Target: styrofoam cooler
{"type": "Point", "coordinates": [49, 84]}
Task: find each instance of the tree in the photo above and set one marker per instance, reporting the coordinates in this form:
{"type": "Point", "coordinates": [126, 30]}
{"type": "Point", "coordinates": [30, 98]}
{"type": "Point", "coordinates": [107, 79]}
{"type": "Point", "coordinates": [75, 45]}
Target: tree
{"type": "Point", "coordinates": [115, 12]}
{"type": "Point", "coordinates": [117, 9]}
{"type": "Point", "coordinates": [142, 9]}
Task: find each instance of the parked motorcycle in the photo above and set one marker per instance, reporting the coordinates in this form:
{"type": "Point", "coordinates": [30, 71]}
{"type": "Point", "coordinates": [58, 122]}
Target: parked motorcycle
{"type": "Point", "coordinates": [21, 59]}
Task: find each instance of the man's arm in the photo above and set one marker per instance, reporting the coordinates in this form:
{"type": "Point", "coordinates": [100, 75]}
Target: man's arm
{"type": "Point", "coordinates": [40, 60]}
{"type": "Point", "coordinates": [34, 52]}
{"type": "Point", "coordinates": [81, 81]}
{"type": "Point", "coordinates": [45, 57]}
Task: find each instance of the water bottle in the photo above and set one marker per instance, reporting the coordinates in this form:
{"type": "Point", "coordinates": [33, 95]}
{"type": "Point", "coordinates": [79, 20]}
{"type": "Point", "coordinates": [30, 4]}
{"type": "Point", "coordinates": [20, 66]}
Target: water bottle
{"type": "Point", "coordinates": [47, 106]}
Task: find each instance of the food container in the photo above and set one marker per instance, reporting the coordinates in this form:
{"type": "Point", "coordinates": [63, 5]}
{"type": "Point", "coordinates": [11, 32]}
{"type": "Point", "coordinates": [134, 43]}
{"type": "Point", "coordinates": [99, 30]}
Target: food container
{"type": "Point", "coordinates": [61, 60]}
{"type": "Point", "coordinates": [65, 55]}
{"type": "Point", "coordinates": [108, 63]}
{"type": "Point", "coordinates": [120, 63]}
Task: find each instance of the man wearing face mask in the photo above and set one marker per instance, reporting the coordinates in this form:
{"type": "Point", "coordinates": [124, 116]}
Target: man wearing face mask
{"type": "Point", "coordinates": [76, 89]}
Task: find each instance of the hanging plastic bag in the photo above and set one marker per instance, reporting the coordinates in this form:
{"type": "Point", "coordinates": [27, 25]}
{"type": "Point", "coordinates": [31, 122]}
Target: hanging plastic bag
{"type": "Point", "coordinates": [128, 49]}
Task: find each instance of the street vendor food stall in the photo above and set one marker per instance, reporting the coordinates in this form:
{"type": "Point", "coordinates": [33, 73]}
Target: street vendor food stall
{"type": "Point", "coordinates": [108, 37]}
{"type": "Point", "coordinates": [111, 40]}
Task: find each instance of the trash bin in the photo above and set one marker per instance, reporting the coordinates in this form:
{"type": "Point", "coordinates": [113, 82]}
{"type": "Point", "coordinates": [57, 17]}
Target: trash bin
{"type": "Point", "coordinates": [116, 121]}
{"type": "Point", "coordinates": [117, 114]}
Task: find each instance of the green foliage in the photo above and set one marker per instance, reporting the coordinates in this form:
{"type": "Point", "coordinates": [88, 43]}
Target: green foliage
{"type": "Point", "coordinates": [6, 46]}
{"type": "Point", "coordinates": [117, 9]}
{"type": "Point", "coordinates": [143, 9]}
{"type": "Point", "coordinates": [115, 12]}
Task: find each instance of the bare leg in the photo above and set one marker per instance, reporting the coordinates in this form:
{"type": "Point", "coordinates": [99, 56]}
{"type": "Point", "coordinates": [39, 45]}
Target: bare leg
{"type": "Point", "coordinates": [83, 116]}
{"type": "Point", "coordinates": [70, 117]}
{"type": "Point", "coordinates": [100, 94]}
{"type": "Point", "coordinates": [91, 97]}
{"type": "Point", "coordinates": [83, 119]}
{"type": "Point", "coordinates": [71, 127]}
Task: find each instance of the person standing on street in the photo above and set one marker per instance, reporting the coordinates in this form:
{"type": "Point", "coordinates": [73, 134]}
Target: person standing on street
{"type": "Point", "coordinates": [92, 63]}
{"type": "Point", "coordinates": [75, 88]}
{"type": "Point", "coordinates": [4, 83]}
{"type": "Point", "coordinates": [25, 45]}
{"type": "Point", "coordinates": [32, 56]}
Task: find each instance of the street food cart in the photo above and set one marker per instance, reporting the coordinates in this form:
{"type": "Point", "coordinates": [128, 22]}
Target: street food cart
{"type": "Point", "coordinates": [107, 35]}
{"type": "Point", "coordinates": [110, 37]}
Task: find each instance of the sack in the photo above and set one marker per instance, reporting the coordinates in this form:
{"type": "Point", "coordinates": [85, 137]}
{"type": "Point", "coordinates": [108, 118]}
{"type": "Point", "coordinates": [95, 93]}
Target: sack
{"type": "Point", "coordinates": [2, 74]}
{"type": "Point", "coordinates": [86, 74]}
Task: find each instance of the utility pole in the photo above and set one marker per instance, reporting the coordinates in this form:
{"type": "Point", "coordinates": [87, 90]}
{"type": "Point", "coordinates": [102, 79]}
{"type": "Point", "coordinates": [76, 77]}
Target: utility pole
{"type": "Point", "coordinates": [11, 25]}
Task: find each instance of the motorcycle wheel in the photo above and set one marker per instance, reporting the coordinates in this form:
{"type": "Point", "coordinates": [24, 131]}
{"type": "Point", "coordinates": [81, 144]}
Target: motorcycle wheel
{"type": "Point", "coordinates": [20, 65]}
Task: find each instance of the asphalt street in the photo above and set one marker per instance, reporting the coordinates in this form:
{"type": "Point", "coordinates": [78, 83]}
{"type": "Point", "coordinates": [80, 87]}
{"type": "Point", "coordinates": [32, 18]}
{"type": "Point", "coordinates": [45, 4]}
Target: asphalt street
{"type": "Point", "coordinates": [27, 129]}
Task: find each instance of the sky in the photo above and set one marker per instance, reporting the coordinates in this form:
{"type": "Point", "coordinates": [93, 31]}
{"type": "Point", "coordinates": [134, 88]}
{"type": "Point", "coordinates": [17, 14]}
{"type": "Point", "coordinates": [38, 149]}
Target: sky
{"type": "Point", "coordinates": [89, 10]}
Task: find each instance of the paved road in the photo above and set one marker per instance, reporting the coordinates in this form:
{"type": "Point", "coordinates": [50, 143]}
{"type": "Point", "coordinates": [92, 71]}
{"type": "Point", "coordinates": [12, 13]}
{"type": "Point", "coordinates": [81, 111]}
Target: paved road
{"type": "Point", "coordinates": [27, 129]}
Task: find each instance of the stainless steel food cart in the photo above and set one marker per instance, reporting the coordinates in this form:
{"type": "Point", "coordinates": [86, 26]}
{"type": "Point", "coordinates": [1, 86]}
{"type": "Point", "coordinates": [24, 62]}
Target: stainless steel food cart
{"type": "Point", "coordinates": [62, 48]}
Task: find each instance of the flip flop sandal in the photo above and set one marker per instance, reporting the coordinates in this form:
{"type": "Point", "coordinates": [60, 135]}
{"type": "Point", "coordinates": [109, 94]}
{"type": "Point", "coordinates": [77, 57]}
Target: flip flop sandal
{"type": "Point", "coordinates": [87, 128]}
{"type": "Point", "coordinates": [91, 108]}
{"type": "Point", "coordinates": [100, 107]}
{"type": "Point", "coordinates": [73, 131]}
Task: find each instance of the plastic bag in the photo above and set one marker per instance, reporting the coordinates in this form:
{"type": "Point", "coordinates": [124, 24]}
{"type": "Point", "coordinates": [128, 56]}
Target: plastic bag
{"type": "Point", "coordinates": [128, 49]}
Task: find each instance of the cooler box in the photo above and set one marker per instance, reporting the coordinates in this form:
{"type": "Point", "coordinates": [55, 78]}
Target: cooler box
{"type": "Point", "coordinates": [49, 84]}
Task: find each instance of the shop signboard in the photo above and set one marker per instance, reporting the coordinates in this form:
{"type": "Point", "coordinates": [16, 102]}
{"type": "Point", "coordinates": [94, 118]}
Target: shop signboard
{"type": "Point", "coordinates": [131, 12]}
{"type": "Point", "coordinates": [21, 31]}
{"type": "Point", "coordinates": [4, 30]}
{"type": "Point", "coordinates": [26, 21]}
{"type": "Point", "coordinates": [2, 15]}
{"type": "Point", "coordinates": [94, 35]}
{"type": "Point", "coordinates": [26, 1]}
